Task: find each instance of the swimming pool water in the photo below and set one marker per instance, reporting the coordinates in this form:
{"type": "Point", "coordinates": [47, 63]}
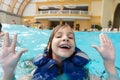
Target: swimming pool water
{"type": "Point", "coordinates": [36, 40]}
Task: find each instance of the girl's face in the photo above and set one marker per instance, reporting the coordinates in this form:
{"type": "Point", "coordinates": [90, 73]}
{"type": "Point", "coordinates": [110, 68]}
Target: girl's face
{"type": "Point", "coordinates": [63, 44]}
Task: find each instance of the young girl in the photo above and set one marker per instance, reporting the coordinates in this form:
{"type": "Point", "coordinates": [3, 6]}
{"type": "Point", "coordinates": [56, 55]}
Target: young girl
{"type": "Point", "coordinates": [61, 57]}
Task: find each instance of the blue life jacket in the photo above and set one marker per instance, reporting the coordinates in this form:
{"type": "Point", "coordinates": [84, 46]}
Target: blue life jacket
{"type": "Point", "coordinates": [73, 68]}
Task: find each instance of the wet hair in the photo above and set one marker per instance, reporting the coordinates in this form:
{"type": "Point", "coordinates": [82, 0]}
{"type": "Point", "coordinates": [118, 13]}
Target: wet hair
{"type": "Point", "coordinates": [0, 27]}
{"type": "Point", "coordinates": [49, 47]}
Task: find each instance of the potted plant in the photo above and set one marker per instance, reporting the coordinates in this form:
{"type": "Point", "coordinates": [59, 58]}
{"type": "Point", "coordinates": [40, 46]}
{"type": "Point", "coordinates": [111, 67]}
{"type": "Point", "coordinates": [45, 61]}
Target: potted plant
{"type": "Point", "coordinates": [98, 27]}
{"type": "Point", "coordinates": [109, 24]}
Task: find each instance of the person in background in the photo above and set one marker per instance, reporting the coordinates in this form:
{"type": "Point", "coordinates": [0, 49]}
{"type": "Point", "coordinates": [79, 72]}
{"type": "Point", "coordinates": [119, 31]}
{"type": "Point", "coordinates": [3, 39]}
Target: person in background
{"type": "Point", "coordinates": [1, 32]}
{"type": "Point", "coordinates": [62, 57]}
{"type": "Point", "coordinates": [13, 22]}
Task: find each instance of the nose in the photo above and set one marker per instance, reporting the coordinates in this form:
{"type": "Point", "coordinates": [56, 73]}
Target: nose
{"type": "Point", "coordinates": [65, 38]}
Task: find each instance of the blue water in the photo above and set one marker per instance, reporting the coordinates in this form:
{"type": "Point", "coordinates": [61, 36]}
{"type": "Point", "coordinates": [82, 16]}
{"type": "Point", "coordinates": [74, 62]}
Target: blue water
{"type": "Point", "coordinates": [36, 40]}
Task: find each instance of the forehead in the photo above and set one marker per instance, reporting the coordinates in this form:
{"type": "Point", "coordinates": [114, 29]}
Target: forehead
{"type": "Point", "coordinates": [65, 29]}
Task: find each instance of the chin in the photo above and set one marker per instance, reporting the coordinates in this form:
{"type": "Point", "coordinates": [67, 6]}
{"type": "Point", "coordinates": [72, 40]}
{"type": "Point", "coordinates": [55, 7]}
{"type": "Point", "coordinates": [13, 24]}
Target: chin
{"type": "Point", "coordinates": [66, 56]}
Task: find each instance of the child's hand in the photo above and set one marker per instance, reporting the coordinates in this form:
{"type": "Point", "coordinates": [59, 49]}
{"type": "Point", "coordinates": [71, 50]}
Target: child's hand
{"type": "Point", "coordinates": [107, 52]}
{"type": "Point", "coordinates": [106, 48]}
{"type": "Point", "coordinates": [8, 57]}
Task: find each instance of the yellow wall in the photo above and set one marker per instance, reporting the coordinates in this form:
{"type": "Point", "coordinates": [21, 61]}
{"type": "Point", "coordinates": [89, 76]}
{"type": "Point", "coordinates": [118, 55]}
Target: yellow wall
{"type": "Point", "coordinates": [0, 2]}
{"type": "Point", "coordinates": [95, 20]}
{"type": "Point", "coordinates": [28, 20]}
{"type": "Point", "coordinates": [46, 23]}
{"type": "Point", "coordinates": [84, 24]}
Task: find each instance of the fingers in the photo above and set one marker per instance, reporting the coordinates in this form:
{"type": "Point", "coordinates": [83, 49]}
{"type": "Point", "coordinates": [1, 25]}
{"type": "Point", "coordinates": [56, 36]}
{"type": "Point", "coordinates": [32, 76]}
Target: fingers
{"type": "Point", "coordinates": [96, 47]}
{"type": "Point", "coordinates": [13, 45]}
{"type": "Point", "coordinates": [106, 43]}
{"type": "Point", "coordinates": [6, 42]}
{"type": "Point", "coordinates": [104, 40]}
{"type": "Point", "coordinates": [21, 52]}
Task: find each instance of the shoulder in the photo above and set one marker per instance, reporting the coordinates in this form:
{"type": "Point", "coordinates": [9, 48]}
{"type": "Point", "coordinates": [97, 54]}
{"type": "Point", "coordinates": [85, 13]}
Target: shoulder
{"type": "Point", "coordinates": [79, 58]}
{"type": "Point", "coordinates": [80, 53]}
{"type": "Point", "coordinates": [41, 60]}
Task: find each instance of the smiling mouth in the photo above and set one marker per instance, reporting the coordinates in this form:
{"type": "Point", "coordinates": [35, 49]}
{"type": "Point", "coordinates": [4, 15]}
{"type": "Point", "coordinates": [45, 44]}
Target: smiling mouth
{"type": "Point", "coordinates": [65, 46]}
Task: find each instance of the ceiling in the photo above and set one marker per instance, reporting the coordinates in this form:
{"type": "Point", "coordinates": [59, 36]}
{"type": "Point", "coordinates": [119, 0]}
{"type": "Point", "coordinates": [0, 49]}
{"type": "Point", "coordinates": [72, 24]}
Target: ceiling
{"type": "Point", "coordinates": [14, 6]}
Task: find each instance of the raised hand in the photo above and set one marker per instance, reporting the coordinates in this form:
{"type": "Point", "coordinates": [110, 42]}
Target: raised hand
{"type": "Point", "coordinates": [107, 52]}
{"type": "Point", "coordinates": [8, 57]}
{"type": "Point", "coordinates": [106, 48]}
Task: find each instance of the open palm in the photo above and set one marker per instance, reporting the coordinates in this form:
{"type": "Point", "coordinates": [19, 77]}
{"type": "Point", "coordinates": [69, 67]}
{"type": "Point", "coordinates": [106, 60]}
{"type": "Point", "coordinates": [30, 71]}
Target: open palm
{"type": "Point", "coordinates": [9, 58]}
{"type": "Point", "coordinates": [106, 48]}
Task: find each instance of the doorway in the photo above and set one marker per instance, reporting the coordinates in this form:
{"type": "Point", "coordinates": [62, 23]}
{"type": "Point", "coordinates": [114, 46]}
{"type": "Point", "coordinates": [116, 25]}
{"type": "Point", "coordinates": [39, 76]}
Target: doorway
{"type": "Point", "coordinates": [54, 24]}
{"type": "Point", "coordinates": [116, 21]}
{"type": "Point", "coordinates": [71, 23]}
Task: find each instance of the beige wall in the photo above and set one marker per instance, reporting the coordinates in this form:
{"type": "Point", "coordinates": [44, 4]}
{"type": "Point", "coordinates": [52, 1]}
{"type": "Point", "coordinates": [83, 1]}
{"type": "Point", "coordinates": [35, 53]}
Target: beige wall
{"type": "Point", "coordinates": [96, 8]}
{"type": "Point", "coordinates": [7, 18]}
{"type": "Point", "coordinates": [107, 12]}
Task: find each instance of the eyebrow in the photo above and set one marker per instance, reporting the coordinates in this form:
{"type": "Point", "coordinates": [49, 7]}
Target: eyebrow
{"type": "Point", "coordinates": [71, 32]}
{"type": "Point", "coordinates": [68, 32]}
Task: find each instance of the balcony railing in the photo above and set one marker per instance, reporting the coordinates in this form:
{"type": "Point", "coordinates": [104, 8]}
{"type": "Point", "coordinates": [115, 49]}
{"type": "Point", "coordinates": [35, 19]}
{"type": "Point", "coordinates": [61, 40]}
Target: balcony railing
{"type": "Point", "coordinates": [79, 12]}
{"type": "Point", "coordinates": [63, 14]}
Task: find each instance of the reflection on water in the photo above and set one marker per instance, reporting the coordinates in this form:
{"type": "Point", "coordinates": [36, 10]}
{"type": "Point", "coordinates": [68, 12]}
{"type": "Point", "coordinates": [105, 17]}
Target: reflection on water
{"type": "Point", "coordinates": [36, 40]}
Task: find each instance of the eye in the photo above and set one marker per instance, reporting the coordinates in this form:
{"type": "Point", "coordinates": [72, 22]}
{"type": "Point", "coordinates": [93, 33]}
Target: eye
{"type": "Point", "coordinates": [71, 36]}
{"type": "Point", "coordinates": [58, 36]}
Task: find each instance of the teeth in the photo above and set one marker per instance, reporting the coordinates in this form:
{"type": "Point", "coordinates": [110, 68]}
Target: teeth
{"type": "Point", "coordinates": [65, 46]}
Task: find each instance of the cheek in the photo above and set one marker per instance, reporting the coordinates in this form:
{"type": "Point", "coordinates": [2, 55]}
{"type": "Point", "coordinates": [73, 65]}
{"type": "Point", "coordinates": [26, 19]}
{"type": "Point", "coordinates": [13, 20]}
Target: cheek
{"type": "Point", "coordinates": [54, 44]}
{"type": "Point", "coordinates": [73, 43]}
